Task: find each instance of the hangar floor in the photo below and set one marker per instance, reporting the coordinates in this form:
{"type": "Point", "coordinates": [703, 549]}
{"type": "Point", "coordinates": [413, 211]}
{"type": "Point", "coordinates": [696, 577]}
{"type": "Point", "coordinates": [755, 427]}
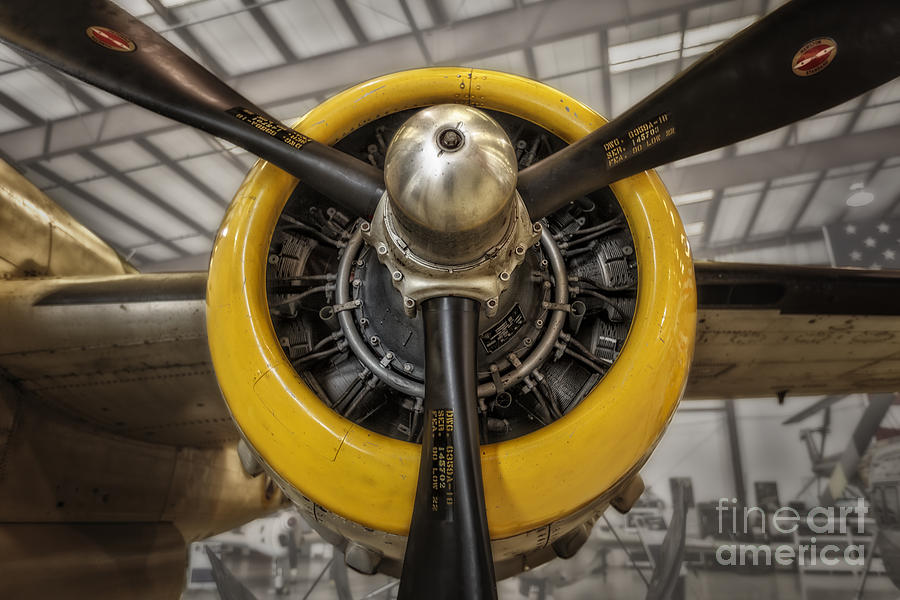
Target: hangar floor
{"type": "Point", "coordinates": [619, 582]}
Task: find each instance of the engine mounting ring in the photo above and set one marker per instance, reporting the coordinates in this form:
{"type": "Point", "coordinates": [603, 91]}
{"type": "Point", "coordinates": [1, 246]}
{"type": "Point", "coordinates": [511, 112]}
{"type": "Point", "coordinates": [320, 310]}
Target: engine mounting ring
{"type": "Point", "coordinates": [344, 304]}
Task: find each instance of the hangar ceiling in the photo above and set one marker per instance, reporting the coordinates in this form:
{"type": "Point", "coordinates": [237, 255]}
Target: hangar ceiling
{"type": "Point", "coordinates": [156, 190]}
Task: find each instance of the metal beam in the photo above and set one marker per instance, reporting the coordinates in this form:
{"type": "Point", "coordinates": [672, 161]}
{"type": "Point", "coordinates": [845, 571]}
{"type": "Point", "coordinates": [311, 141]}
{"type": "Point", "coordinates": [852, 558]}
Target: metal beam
{"type": "Point", "coordinates": [712, 214]}
{"type": "Point", "coordinates": [756, 210]}
{"type": "Point", "coordinates": [426, 55]}
{"type": "Point", "coordinates": [530, 63]}
{"type": "Point", "coordinates": [266, 25]}
{"type": "Point", "coordinates": [737, 464]}
{"type": "Point", "coordinates": [783, 162]}
{"type": "Point", "coordinates": [19, 109]}
{"type": "Point", "coordinates": [350, 19]}
{"type": "Point", "coordinates": [606, 78]}
{"type": "Point", "coordinates": [437, 12]}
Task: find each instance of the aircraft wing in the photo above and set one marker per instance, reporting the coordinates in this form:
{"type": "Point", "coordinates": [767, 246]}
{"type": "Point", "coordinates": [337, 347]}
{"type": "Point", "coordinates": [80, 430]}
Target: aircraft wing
{"type": "Point", "coordinates": [116, 449]}
{"type": "Point", "coordinates": [765, 330]}
{"type": "Point", "coordinates": [125, 353]}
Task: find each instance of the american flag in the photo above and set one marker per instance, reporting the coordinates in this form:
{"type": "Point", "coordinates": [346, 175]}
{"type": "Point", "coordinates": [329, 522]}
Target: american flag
{"type": "Point", "coordinates": [866, 244]}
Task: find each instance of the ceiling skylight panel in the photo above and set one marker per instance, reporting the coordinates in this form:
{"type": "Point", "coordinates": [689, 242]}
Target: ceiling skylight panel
{"type": "Point", "coordinates": [715, 32]}
{"type": "Point", "coordinates": [37, 179]}
{"type": "Point", "coordinates": [180, 195]}
{"type": "Point", "coordinates": [885, 186]}
{"type": "Point", "coordinates": [156, 253]}
{"type": "Point", "coordinates": [10, 120]}
{"type": "Point", "coordinates": [311, 27]}
{"type": "Point", "coordinates": [888, 92]}
{"type": "Point", "coordinates": [98, 220]}
{"type": "Point", "coordinates": [690, 213]}
{"type": "Point", "coordinates": [732, 217]}
{"type": "Point", "coordinates": [631, 86]}
{"type": "Point", "coordinates": [694, 229]}
{"type": "Point", "coordinates": [779, 208]}
{"type": "Point", "coordinates": [157, 23]}
{"type": "Point", "coordinates": [40, 94]}
{"type": "Point", "coordinates": [421, 14]}
{"type": "Point", "coordinates": [762, 143]}
{"type": "Point", "coordinates": [510, 62]}
{"type": "Point", "coordinates": [654, 50]}
{"type": "Point", "coordinates": [291, 111]}
{"type": "Point", "coordinates": [238, 43]}
{"type": "Point", "coordinates": [724, 11]}
{"type": "Point", "coordinates": [878, 117]}
{"type": "Point", "coordinates": [10, 60]}
{"type": "Point", "coordinates": [217, 172]}
{"type": "Point", "coordinates": [821, 128]}
{"type": "Point", "coordinates": [643, 30]}
{"type": "Point", "coordinates": [828, 203]}
{"type": "Point", "coordinates": [197, 244]}
{"type": "Point", "coordinates": [72, 167]}
{"type": "Point", "coordinates": [692, 197]}
{"type": "Point", "coordinates": [125, 156]}
{"type": "Point", "coordinates": [380, 19]}
{"type": "Point", "coordinates": [104, 98]}
{"type": "Point", "coordinates": [457, 10]}
{"type": "Point", "coordinates": [181, 143]}
{"type": "Point", "coordinates": [700, 158]}
{"type": "Point", "coordinates": [845, 107]}
{"type": "Point", "coordinates": [699, 50]}
{"type": "Point", "coordinates": [568, 56]}
{"type": "Point", "coordinates": [585, 87]}
{"type": "Point", "coordinates": [123, 198]}
{"type": "Point", "coordinates": [137, 8]}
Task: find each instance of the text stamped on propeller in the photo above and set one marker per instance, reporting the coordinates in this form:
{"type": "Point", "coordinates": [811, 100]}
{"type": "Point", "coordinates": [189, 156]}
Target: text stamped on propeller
{"type": "Point", "coordinates": [442, 461]}
{"type": "Point", "coordinates": [636, 140]}
{"type": "Point", "coordinates": [290, 137]}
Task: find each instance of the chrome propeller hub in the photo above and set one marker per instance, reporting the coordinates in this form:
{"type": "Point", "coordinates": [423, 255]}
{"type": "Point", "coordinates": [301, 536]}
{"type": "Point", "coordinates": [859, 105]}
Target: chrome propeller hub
{"type": "Point", "coordinates": [451, 222]}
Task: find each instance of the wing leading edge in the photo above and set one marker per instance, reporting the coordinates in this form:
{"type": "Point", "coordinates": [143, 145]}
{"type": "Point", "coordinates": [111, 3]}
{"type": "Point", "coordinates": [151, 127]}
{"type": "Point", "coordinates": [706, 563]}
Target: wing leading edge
{"type": "Point", "coordinates": [767, 330]}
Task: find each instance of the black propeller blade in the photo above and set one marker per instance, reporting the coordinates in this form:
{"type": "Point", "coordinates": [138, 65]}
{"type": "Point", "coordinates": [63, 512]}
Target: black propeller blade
{"type": "Point", "coordinates": [448, 554]}
{"type": "Point", "coordinates": [805, 57]}
{"type": "Point", "coordinates": [101, 44]}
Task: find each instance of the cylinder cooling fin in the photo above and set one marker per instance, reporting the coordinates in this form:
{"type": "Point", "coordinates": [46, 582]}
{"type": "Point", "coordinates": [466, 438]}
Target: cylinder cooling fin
{"type": "Point", "coordinates": [321, 363]}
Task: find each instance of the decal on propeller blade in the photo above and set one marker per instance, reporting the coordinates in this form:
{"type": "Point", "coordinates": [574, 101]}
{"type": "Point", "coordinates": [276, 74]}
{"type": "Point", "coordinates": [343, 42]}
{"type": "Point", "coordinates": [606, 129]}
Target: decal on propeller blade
{"type": "Point", "coordinates": [290, 137]}
{"type": "Point", "coordinates": [638, 139]}
{"type": "Point", "coordinates": [442, 462]}
{"type": "Point", "coordinates": [110, 39]}
{"type": "Point", "coordinates": [814, 56]}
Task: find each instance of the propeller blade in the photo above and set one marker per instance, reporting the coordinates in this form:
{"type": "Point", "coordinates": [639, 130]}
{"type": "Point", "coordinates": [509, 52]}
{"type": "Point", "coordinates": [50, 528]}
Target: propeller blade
{"type": "Point", "coordinates": [803, 58]}
{"type": "Point", "coordinates": [101, 44]}
{"type": "Point", "coordinates": [448, 553]}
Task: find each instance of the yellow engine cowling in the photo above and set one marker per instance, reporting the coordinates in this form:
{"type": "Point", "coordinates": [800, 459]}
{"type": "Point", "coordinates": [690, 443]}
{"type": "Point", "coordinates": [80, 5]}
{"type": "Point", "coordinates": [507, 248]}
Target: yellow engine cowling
{"type": "Point", "coordinates": [356, 486]}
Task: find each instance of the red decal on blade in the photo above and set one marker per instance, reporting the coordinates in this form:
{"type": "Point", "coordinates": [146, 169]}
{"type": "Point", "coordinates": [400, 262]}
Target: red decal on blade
{"type": "Point", "coordinates": [110, 39]}
{"type": "Point", "coordinates": [814, 56]}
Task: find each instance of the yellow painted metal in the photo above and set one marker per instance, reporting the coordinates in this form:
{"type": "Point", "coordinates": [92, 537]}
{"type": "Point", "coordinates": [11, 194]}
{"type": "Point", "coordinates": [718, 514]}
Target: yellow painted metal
{"type": "Point", "coordinates": [369, 478]}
